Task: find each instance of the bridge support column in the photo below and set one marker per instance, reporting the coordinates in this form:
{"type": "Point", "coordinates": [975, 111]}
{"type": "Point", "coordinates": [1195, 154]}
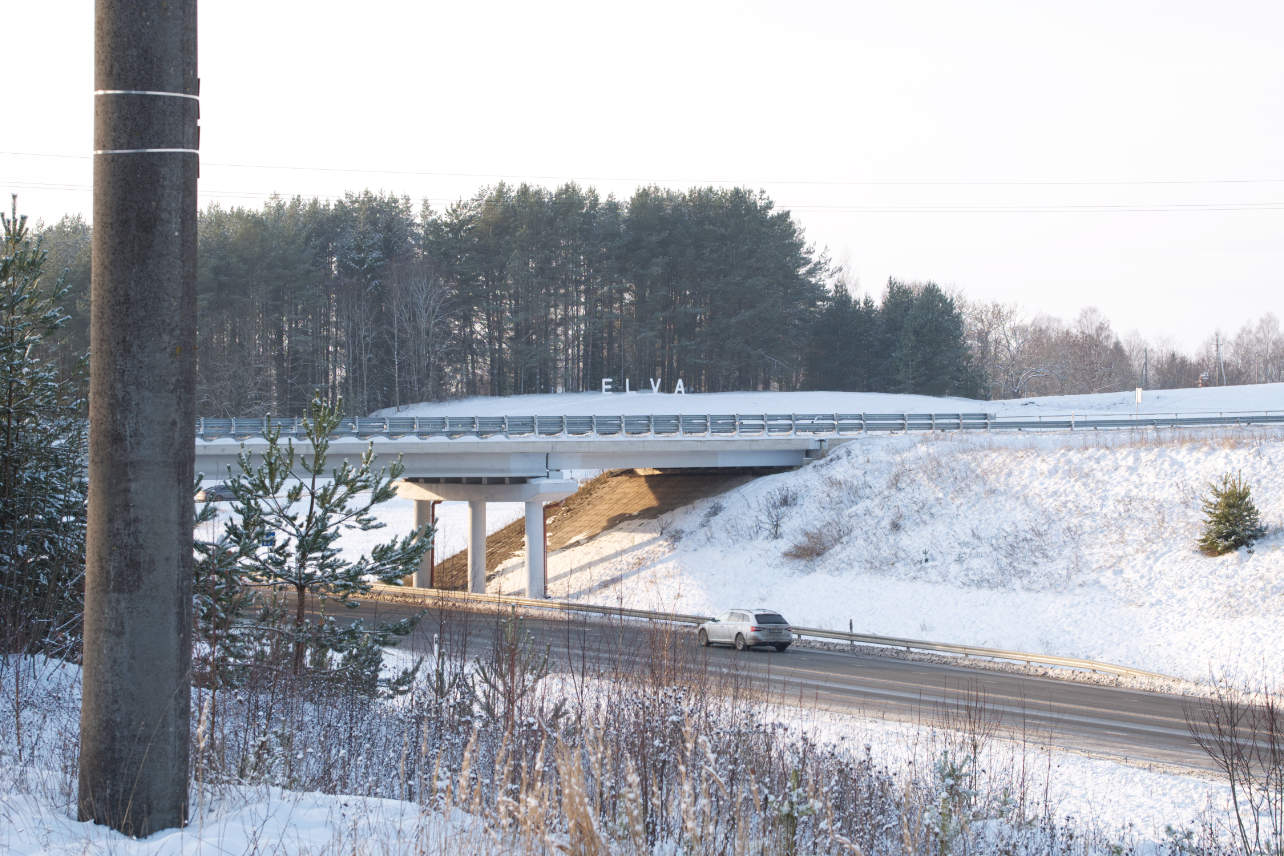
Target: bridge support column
{"type": "Point", "coordinates": [477, 546]}
{"type": "Point", "coordinates": [535, 549]}
{"type": "Point", "coordinates": [426, 513]}
{"type": "Point", "coordinates": [533, 492]}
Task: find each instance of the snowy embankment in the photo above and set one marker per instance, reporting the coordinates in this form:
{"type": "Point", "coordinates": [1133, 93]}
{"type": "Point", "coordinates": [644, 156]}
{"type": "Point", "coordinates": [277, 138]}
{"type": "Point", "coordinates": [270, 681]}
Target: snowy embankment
{"type": "Point", "coordinates": [1077, 544]}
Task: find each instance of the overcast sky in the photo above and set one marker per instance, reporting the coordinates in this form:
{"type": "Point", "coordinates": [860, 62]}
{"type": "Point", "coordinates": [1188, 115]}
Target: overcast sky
{"type": "Point", "coordinates": [1125, 155]}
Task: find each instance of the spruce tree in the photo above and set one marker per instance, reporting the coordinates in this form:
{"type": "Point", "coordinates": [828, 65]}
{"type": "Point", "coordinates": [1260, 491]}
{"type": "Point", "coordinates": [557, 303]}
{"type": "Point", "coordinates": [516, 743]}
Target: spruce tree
{"type": "Point", "coordinates": [43, 447]}
{"type": "Point", "coordinates": [1231, 520]}
{"type": "Point", "coordinates": [306, 506]}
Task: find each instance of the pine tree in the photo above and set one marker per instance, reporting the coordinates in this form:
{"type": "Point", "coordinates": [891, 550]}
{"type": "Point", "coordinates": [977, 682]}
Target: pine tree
{"type": "Point", "coordinates": [43, 445]}
{"type": "Point", "coordinates": [306, 509]}
{"type": "Point", "coordinates": [1231, 520]}
{"type": "Point", "coordinates": [231, 623]}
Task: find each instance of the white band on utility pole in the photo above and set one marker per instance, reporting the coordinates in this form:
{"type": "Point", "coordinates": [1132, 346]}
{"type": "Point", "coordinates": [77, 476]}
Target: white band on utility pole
{"type": "Point", "coordinates": [143, 151]}
{"type": "Point", "coordinates": [145, 92]}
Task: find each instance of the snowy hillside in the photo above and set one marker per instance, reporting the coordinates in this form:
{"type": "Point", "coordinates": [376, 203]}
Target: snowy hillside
{"type": "Point", "coordinates": [1075, 544]}
{"type": "Point", "coordinates": [1079, 545]}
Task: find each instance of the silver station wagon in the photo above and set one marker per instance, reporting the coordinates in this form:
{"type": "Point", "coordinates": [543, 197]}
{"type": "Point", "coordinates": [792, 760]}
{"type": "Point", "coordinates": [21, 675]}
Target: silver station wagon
{"type": "Point", "coordinates": [745, 628]}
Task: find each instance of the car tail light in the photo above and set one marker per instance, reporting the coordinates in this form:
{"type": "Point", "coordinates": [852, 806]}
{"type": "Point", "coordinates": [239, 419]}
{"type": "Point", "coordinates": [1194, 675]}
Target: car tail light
{"type": "Point", "coordinates": [753, 629]}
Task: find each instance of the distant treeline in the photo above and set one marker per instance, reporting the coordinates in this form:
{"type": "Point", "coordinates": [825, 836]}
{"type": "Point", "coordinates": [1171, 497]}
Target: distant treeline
{"type": "Point", "coordinates": [516, 290]}
{"type": "Point", "coordinates": [522, 289]}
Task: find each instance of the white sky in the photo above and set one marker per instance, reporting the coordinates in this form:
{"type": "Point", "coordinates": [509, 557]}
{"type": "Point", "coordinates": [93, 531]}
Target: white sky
{"type": "Point", "coordinates": [901, 134]}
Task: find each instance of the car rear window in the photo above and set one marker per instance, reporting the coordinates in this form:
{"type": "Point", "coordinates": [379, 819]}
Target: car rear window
{"type": "Point", "coordinates": [769, 618]}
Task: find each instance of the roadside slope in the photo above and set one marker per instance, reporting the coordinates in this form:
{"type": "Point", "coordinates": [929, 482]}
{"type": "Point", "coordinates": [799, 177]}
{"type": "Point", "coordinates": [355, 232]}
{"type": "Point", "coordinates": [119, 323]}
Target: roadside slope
{"type": "Point", "coordinates": [601, 503]}
{"type": "Point", "coordinates": [1072, 544]}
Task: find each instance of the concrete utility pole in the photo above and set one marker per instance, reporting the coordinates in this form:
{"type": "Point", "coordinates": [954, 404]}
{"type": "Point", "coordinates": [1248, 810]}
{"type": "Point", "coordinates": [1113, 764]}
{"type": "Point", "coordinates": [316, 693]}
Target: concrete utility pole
{"type": "Point", "coordinates": [1221, 366]}
{"type": "Point", "coordinates": [137, 659]}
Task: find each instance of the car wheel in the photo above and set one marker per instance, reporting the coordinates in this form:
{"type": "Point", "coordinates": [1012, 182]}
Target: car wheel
{"type": "Point", "coordinates": [781, 646]}
{"type": "Point", "coordinates": [740, 643]}
{"type": "Point", "coordinates": [704, 638]}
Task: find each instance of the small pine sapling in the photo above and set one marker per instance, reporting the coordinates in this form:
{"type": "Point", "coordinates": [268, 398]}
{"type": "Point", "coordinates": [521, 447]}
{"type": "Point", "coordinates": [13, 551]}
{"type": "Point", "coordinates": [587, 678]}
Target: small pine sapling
{"type": "Point", "coordinates": [510, 672]}
{"type": "Point", "coordinates": [1231, 519]}
{"type": "Point", "coordinates": [232, 625]}
{"type": "Point", "coordinates": [306, 509]}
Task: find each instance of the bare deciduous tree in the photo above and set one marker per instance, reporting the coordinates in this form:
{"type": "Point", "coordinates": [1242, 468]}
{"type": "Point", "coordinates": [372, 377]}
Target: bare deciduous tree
{"type": "Point", "coordinates": [420, 331]}
{"type": "Point", "coordinates": [1245, 739]}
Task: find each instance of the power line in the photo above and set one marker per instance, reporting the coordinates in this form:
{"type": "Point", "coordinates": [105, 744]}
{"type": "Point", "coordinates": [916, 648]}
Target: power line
{"type": "Point", "coordinates": [204, 192]}
{"type": "Point", "coordinates": [215, 194]}
{"type": "Point", "coordinates": [1217, 206]}
{"type": "Point", "coordinates": [1141, 182]}
{"type": "Point", "coordinates": [1056, 208]}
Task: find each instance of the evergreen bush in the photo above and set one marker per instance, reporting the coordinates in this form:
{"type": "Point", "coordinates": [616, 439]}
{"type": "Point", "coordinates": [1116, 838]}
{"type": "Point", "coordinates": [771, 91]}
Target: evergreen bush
{"type": "Point", "coordinates": [43, 451]}
{"type": "Point", "coordinates": [1231, 520]}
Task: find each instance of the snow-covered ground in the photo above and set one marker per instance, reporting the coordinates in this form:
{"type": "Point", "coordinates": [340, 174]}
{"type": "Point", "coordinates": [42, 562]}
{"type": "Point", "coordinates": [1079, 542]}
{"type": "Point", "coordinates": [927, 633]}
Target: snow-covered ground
{"type": "Point", "coordinates": [1078, 544]}
{"type": "Point", "coordinates": [1069, 543]}
{"type": "Point", "coordinates": [241, 820]}
{"type": "Point", "coordinates": [398, 517]}
{"type": "Point", "coordinates": [38, 784]}
{"type": "Point", "coordinates": [37, 812]}
{"type": "Point", "coordinates": [1209, 399]}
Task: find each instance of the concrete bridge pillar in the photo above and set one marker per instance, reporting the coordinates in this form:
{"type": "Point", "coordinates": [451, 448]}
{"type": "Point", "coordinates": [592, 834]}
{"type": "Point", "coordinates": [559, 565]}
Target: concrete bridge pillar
{"type": "Point", "coordinates": [478, 491]}
{"type": "Point", "coordinates": [426, 513]}
{"type": "Point", "coordinates": [535, 549]}
{"type": "Point", "coordinates": [477, 546]}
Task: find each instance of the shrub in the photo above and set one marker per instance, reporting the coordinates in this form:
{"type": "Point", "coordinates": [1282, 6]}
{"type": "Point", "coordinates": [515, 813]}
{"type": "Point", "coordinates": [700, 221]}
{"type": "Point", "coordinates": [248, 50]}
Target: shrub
{"type": "Point", "coordinates": [815, 543]}
{"type": "Point", "coordinates": [772, 510]}
{"type": "Point", "coordinates": [1231, 520]}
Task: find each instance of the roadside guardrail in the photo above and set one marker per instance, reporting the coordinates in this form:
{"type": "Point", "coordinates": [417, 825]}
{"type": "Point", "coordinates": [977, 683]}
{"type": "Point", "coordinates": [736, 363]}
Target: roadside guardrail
{"type": "Point", "coordinates": [426, 597]}
{"type": "Point", "coordinates": [714, 424]}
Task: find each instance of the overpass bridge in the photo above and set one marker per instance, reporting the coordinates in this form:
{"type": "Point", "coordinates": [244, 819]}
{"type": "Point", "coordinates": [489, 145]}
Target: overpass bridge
{"type": "Point", "coordinates": [481, 459]}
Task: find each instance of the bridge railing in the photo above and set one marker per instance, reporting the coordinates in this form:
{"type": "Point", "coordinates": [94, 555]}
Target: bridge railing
{"type": "Point", "coordinates": [714, 424]}
{"type": "Point", "coordinates": [428, 597]}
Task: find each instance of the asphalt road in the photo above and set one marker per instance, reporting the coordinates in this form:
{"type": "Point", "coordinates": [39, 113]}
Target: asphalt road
{"type": "Point", "coordinates": [1101, 720]}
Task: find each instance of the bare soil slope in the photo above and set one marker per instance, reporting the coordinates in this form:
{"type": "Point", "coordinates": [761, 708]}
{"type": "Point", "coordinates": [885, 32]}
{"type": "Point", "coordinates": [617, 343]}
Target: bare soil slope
{"type": "Point", "coordinates": [599, 504]}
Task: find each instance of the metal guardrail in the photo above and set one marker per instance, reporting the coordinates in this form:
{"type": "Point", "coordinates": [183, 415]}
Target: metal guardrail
{"type": "Point", "coordinates": [713, 425]}
{"type": "Point", "coordinates": [404, 594]}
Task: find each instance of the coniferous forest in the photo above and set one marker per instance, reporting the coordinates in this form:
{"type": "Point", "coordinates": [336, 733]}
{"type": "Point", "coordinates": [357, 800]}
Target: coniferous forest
{"type": "Point", "coordinates": [521, 289]}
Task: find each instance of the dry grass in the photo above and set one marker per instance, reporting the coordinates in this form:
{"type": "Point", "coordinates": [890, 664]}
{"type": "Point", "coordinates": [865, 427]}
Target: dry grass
{"type": "Point", "coordinates": [639, 749]}
{"type": "Point", "coordinates": [816, 542]}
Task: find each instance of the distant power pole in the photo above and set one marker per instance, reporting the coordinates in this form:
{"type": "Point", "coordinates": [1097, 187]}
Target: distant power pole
{"type": "Point", "coordinates": [1221, 367]}
{"type": "Point", "coordinates": [137, 645]}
